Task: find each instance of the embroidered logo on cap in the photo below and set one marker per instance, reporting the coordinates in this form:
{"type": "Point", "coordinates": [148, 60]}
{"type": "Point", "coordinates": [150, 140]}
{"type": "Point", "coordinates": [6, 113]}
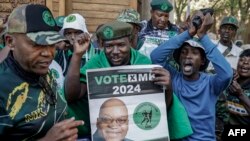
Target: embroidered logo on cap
{"type": "Point", "coordinates": [108, 32]}
{"type": "Point", "coordinates": [164, 6]}
{"type": "Point", "coordinates": [232, 20]}
{"type": "Point", "coordinates": [48, 18]}
{"type": "Point", "coordinates": [71, 18]}
{"type": "Point", "coordinates": [61, 19]}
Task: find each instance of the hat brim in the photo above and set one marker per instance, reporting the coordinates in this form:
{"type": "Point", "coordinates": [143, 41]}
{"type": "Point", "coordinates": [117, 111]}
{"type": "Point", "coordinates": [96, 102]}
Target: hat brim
{"type": "Point", "coordinates": [45, 37]}
{"type": "Point", "coordinates": [236, 26]}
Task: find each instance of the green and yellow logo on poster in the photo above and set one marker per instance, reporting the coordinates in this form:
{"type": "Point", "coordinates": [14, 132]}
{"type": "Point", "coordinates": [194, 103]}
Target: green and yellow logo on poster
{"type": "Point", "coordinates": [147, 116]}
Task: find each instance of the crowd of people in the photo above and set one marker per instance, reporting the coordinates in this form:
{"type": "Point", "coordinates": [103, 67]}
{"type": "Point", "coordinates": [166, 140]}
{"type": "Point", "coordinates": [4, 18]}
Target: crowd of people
{"type": "Point", "coordinates": [44, 61]}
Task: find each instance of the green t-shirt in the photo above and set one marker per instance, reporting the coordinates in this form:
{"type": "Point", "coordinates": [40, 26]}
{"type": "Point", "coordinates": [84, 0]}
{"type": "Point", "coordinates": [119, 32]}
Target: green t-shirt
{"type": "Point", "coordinates": [101, 61]}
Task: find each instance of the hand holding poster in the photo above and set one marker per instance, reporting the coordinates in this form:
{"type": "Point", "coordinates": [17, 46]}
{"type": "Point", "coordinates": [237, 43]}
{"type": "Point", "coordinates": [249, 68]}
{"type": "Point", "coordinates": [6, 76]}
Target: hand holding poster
{"type": "Point", "coordinates": [126, 105]}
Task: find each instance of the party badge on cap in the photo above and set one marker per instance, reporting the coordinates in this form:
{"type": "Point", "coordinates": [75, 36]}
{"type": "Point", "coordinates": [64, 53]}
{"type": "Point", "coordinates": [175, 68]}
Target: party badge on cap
{"type": "Point", "coordinates": [48, 18]}
{"type": "Point", "coordinates": [108, 32]}
{"type": "Point", "coordinates": [164, 6]}
{"type": "Point", "coordinates": [232, 20]}
{"type": "Point", "coordinates": [71, 18]}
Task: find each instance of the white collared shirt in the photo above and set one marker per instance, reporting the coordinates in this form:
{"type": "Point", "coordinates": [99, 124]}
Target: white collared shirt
{"type": "Point", "coordinates": [232, 57]}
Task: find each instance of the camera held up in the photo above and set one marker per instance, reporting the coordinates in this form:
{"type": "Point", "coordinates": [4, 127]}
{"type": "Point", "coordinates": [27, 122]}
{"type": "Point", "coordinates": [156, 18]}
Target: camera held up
{"type": "Point", "coordinates": [197, 22]}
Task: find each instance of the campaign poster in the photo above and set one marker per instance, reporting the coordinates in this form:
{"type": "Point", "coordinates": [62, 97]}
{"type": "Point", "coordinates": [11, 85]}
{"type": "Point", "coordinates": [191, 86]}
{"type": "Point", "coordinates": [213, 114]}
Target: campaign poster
{"type": "Point", "coordinates": [126, 105]}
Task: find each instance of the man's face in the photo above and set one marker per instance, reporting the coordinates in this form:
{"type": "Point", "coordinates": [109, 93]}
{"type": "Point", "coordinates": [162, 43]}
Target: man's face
{"type": "Point", "coordinates": [113, 122]}
{"type": "Point", "coordinates": [243, 67]}
{"type": "Point", "coordinates": [117, 51]}
{"type": "Point", "coordinates": [70, 34]}
{"type": "Point", "coordinates": [159, 19]}
{"type": "Point", "coordinates": [190, 62]}
{"type": "Point", "coordinates": [32, 57]}
{"type": "Point", "coordinates": [227, 33]}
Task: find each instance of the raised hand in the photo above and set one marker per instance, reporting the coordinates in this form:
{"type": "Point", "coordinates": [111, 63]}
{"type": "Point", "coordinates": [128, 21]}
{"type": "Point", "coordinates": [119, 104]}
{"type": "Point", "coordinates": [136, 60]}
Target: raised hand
{"type": "Point", "coordinates": [81, 44]}
{"type": "Point", "coordinates": [191, 28]}
{"type": "Point", "coordinates": [207, 23]}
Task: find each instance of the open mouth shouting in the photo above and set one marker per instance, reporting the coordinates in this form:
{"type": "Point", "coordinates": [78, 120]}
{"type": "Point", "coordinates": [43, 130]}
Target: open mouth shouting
{"type": "Point", "coordinates": [244, 70]}
{"type": "Point", "coordinates": [187, 66]}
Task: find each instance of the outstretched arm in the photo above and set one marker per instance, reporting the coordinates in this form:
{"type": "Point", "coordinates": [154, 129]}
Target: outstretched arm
{"type": "Point", "coordinates": [73, 88]}
{"type": "Point", "coordinates": [224, 72]}
{"type": "Point", "coordinates": [165, 50]}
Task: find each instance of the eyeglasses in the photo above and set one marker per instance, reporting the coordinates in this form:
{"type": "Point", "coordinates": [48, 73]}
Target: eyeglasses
{"type": "Point", "coordinates": [109, 120]}
{"type": "Point", "coordinates": [50, 92]}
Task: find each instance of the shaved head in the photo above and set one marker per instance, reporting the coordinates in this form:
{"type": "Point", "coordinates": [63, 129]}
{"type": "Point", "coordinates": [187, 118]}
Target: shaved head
{"type": "Point", "coordinates": [112, 123]}
{"type": "Point", "coordinates": [111, 103]}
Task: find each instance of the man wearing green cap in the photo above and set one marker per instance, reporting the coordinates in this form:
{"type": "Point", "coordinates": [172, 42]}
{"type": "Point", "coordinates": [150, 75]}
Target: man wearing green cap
{"type": "Point", "coordinates": [227, 31]}
{"type": "Point", "coordinates": [158, 29]}
{"type": "Point", "coordinates": [32, 104]}
{"type": "Point", "coordinates": [117, 51]}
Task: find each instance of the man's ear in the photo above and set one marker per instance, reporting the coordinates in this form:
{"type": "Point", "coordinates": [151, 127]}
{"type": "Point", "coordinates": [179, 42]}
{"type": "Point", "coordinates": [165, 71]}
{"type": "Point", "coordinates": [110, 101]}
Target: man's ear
{"type": "Point", "coordinates": [9, 41]}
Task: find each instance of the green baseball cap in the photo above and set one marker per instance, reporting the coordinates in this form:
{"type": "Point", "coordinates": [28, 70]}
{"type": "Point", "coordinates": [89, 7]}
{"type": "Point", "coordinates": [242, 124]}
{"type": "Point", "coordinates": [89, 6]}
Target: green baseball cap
{"type": "Point", "coordinates": [114, 30]}
{"type": "Point", "coordinates": [129, 16]}
{"type": "Point", "coordinates": [162, 5]}
{"type": "Point", "coordinates": [37, 22]}
{"type": "Point", "coordinates": [59, 21]}
{"type": "Point", "coordinates": [230, 20]}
